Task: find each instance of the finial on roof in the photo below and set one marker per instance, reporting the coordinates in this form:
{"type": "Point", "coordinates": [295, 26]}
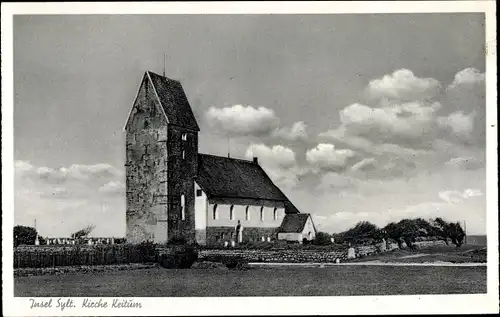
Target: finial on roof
{"type": "Point", "coordinates": [164, 63]}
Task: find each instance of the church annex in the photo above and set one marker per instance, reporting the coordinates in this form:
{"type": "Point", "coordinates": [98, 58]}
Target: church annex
{"type": "Point", "coordinates": [173, 192]}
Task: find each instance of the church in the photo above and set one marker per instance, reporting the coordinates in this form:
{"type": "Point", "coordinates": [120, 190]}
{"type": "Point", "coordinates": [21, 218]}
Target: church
{"type": "Point", "coordinates": [174, 192]}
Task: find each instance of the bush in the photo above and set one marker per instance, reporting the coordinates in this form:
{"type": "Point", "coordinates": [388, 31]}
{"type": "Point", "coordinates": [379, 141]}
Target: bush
{"type": "Point", "coordinates": [180, 258]}
{"type": "Point", "coordinates": [322, 238]}
{"type": "Point", "coordinates": [146, 251]}
{"type": "Point", "coordinates": [231, 262]}
{"type": "Point", "coordinates": [177, 241]}
{"type": "Point", "coordinates": [236, 262]}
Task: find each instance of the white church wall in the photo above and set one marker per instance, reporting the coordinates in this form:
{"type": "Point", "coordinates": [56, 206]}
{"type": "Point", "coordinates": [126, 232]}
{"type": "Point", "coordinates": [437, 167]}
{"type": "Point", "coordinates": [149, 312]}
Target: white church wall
{"type": "Point", "coordinates": [239, 212]}
{"type": "Point", "coordinates": [309, 227]}
{"type": "Point", "coordinates": [200, 214]}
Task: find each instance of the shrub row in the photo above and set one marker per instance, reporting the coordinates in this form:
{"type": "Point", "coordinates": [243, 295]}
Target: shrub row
{"type": "Point", "coordinates": [177, 256]}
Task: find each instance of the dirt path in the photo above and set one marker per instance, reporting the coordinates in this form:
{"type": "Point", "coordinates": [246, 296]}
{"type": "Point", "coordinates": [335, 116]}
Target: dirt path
{"type": "Point", "coordinates": [368, 263]}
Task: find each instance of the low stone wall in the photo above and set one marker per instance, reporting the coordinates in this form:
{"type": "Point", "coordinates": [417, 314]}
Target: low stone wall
{"type": "Point", "coordinates": [288, 256]}
{"type": "Point", "coordinates": [303, 256]}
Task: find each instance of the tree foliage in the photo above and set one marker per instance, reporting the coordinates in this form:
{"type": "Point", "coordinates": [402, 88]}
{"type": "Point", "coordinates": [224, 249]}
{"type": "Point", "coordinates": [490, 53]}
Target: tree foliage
{"type": "Point", "coordinates": [406, 231]}
{"type": "Point", "coordinates": [362, 231]}
{"type": "Point", "coordinates": [24, 235]}
{"type": "Point", "coordinates": [322, 238]}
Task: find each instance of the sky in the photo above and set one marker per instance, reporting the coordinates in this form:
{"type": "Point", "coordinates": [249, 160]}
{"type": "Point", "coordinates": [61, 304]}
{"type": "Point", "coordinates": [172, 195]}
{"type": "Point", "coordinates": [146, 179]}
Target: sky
{"type": "Point", "coordinates": [374, 117]}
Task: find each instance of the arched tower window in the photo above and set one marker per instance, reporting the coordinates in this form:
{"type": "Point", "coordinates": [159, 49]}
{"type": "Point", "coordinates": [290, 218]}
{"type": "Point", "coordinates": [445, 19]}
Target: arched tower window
{"type": "Point", "coordinates": [275, 214]}
{"type": "Point", "coordinates": [262, 213]}
{"type": "Point", "coordinates": [183, 207]}
{"type": "Point", "coordinates": [247, 213]}
{"type": "Point", "coordinates": [231, 212]}
{"type": "Point", "coordinates": [215, 213]}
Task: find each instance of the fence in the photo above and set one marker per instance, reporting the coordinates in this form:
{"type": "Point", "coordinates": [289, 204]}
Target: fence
{"type": "Point", "coordinates": [101, 255]}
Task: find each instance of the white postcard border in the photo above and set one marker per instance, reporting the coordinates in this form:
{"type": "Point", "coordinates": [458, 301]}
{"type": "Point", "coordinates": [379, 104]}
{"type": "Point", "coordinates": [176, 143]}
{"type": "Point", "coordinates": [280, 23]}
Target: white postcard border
{"type": "Point", "coordinates": [349, 305]}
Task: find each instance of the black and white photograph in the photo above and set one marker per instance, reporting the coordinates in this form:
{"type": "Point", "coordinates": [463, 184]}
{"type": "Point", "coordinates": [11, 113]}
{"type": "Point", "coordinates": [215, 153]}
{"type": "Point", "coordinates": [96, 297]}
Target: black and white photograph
{"type": "Point", "coordinates": [166, 154]}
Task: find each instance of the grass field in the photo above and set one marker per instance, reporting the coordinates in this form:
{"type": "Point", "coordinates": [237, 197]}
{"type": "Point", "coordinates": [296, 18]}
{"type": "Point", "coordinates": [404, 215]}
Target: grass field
{"type": "Point", "coordinates": [464, 254]}
{"type": "Point", "coordinates": [282, 281]}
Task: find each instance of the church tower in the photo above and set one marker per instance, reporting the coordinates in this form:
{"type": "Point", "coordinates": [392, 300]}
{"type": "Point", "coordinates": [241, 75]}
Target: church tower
{"type": "Point", "coordinates": [161, 163]}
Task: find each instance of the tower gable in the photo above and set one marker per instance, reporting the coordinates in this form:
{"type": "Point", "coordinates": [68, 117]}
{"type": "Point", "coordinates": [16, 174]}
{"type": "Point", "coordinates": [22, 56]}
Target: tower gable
{"type": "Point", "coordinates": [171, 99]}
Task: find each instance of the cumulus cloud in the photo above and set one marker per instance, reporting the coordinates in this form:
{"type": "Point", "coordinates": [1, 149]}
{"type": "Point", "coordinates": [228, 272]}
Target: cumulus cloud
{"type": "Point", "coordinates": [407, 124]}
{"type": "Point", "coordinates": [468, 76]}
{"type": "Point", "coordinates": [65, 199]}
{"type": "Point", "coordinates": [403, 85]}
{"type": "Point", "coordinates": [277, 155]}
{"type": "Point", "coordinates": [458, 124]}
{"type": "Point", "coordinates": [298, 131]}
{"type": "Point", "coordinates": [410, 121]}
{"type": "Point", "coordinates": [241, 120]}
{"type": "Point", "coordinates": [279, 163]}
{"type": "Point", "coordinates": [112, 187]}
{"type": "Point", "coordinates": [326, 156]}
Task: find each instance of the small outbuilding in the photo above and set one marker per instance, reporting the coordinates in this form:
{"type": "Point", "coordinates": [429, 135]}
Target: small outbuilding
{"type": "Point", "coordinates": [297, 227]}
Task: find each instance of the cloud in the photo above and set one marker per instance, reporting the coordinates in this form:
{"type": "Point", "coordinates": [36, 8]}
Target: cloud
{"type": "Point", "coordinates": [467, 76]}
{"type": "Point", "coordinates": [455, 196]}
{"type": "Point", "coordinates": [458, 124]}
{"type": "Point", "coordinates": [277, 155]}
{"type": "Point", "coordinates": [336, 181]}
{"type": "Point", "coordinates": [75, 172]}
{"type": "Point", "coordinates": [465, 101]}
{"type": "Point", "coordinates": [408, 124]}
{"type": "Point", "coordinates": [296, 132]}
{"type": "Point", "coordinates": [112, 187]}
{"type": "Point", "coordinates": [472, 193]}
{"type": "Point", "coordinates": [403, 85]}
{"type": "Point", "coordinates": [451, 196]}
{"type": "Point", "coordinates": [367, 164]}
{"type": "Point", "coordinates": [279, 163]}
{"type": "Point", "coordinates": [465, 163]}
{"type": "Point", "coordinates": [65, 199]}
{"type": "Point", "coordinates": [241, 120]}
{"type": "Point", "coordinates": [326, 156]}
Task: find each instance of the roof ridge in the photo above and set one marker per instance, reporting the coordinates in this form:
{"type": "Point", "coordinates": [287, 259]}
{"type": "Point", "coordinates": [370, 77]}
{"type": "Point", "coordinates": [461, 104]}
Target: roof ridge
{"type": "Point", "coordinates": [167, 78]}
{"type": "Point", "coordinates": [228, 158]}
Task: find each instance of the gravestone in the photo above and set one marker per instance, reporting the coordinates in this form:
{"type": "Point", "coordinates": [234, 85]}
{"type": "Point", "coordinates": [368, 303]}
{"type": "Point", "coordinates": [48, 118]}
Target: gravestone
{"type": "Point", "coordinates": [383, 246]}
{"type": "Point", "coordinates": [351, 253]}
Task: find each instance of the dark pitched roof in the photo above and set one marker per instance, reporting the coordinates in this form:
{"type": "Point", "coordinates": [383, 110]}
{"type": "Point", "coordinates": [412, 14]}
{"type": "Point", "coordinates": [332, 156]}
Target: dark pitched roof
{"type": "Point", "coordinates": [228, 177]}
{"type": "Point", "coordinates": [293, 223]}
{"type": "Point", "coordinates": [174, 101]}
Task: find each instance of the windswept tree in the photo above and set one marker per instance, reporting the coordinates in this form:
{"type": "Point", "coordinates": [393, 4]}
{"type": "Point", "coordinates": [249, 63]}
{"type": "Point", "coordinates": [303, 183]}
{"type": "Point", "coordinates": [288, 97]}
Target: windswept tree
{"type": "Point", "coordinates": [456, 233]}
{"type": "Point", "coordinates": [439, 229]}
{"type": "Point", "coordinates": [83, 233]}
{"type": "Point", "coordinates": [407, 231]}
{"type": "Point", "coordinates": [363, 230]}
